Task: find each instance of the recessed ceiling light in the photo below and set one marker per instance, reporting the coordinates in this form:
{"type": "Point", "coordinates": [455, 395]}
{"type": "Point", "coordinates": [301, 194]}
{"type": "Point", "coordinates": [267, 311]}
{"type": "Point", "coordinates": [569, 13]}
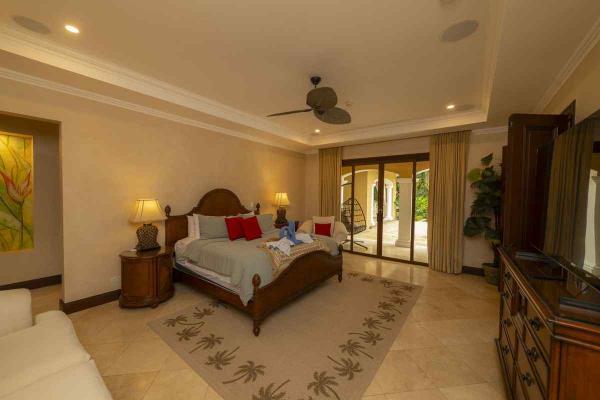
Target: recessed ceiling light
{"type": "Point", "coordinates": [450, 107]}
{"type": "Point", "coordinates": [72, 28]}
{"type": "Point", "coordinates": [317, 130]}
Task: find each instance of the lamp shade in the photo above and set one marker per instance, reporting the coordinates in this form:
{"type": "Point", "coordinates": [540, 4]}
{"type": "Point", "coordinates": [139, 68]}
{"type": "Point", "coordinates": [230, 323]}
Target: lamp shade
{"type": "Point", "coordinates": [281, 199]}
{"type": "Point", "coordinates": [146, 210]}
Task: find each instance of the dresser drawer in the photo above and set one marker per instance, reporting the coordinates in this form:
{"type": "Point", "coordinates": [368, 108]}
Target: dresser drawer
{"type": "Point", "coordinates": [508, 325]}
{"type": "Point", "coordinates": [507, 357]}
{"type": "Point", "coordinates": [519, 391]}
{"type": "Point", "coordinates": [526, 375]}
{"type": "Point", "coordinates": [507, 297]}
{"type": "Point", "coordinates": [508, 280]}
{"type": "Point", "coordinates": [536, 325]}
{"type": "Point", "coordinates": [536, 359]}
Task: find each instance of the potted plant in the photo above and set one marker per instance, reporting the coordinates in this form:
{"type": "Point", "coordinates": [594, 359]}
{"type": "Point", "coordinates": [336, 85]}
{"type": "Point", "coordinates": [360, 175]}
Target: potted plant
{"type": "Point", "coordinates": [485, 211]}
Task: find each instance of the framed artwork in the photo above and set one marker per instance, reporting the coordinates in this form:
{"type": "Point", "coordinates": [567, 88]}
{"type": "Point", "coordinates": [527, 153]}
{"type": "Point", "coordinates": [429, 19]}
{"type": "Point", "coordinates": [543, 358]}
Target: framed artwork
{"type": "Point", "coordinates": [16, 192]}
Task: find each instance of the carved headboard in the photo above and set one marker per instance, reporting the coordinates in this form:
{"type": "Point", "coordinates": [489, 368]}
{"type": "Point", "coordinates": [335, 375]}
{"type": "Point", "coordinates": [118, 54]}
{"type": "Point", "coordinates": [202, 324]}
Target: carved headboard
{"type": "Point", "coordinates": [217, 202]}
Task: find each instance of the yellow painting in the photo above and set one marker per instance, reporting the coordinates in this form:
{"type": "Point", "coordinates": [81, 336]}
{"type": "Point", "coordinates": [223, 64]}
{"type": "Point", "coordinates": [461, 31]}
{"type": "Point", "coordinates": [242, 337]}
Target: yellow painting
{"type": "Point", "coordinates": [16, 192]}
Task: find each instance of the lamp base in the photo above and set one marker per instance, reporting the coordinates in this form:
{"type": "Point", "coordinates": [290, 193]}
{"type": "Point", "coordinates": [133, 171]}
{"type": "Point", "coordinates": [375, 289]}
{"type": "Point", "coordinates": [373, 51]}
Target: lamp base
{"type": "Point", "coordinates": [281, 217]}
{"type": "Point", "coordinates": [147, 235]}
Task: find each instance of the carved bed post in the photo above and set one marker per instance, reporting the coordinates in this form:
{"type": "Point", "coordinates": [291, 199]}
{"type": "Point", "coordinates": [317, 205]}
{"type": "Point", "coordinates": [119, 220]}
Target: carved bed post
{"type": "Point", "coordinates": [257, 209]}
{"type": "Point", "coordinates": [256, 320]}
{"type": "Point", "coordinates": [168, 210]}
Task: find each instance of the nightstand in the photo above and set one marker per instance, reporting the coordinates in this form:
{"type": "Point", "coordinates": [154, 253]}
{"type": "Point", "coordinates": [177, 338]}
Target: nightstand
{"type": "Point", "coordinates": [146, 278]}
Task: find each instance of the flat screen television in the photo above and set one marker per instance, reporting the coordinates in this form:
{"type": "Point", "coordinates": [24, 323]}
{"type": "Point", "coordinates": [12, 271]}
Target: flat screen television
{"type": "Point", "coordinates": [572, 198]}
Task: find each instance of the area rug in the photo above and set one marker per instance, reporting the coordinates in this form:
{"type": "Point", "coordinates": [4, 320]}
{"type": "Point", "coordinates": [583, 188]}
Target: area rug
{"type": "Point", "coordinates": [328, 344]}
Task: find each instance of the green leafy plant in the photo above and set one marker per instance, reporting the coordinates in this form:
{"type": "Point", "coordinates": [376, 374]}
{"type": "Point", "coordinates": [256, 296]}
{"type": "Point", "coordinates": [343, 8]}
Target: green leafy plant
{"type": "Point", "coordinates": [485, 210]}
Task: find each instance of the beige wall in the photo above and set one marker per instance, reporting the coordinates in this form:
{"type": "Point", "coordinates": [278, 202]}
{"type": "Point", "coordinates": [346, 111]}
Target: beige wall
{"type": "Point", "coordinates": [476, 250]}
{"type": "Point", "coordinates": [583, 85]}
{"type": "Point", "coordinates": [45, 259]}
{"type": "Point", "coordinates": [112, 156]}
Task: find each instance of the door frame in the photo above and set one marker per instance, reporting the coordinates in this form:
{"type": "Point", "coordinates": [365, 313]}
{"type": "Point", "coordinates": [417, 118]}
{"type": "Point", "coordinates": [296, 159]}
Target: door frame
{"type": "Point", "coordinates": [380, 162]}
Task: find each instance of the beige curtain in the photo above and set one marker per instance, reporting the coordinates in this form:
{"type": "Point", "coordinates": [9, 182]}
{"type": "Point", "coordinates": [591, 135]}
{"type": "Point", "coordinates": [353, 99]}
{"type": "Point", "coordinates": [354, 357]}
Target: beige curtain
{"type": "Point", "coordinates": [568, 192]}
{"type": "Point", "coordinates": [447, 180]}
{"type": "Point", "coordinates": [330, 169]}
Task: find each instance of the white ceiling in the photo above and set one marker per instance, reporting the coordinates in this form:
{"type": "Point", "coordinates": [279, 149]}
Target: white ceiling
{"type": "Point", "coordinates": [229, 63]}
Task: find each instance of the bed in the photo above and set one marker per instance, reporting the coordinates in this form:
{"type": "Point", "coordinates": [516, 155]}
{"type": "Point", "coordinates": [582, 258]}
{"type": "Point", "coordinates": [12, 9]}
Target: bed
{"type": "Point", "coordinates": [300, 276]}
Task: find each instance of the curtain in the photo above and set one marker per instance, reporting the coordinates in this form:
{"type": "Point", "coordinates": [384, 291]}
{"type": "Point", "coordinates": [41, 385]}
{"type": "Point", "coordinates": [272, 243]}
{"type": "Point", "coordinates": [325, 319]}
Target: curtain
{"type": "Point", "coordinates": [447, 181]}
{"type": "Point", "coordinates": [330, 170]}
{"type": "Point", "coordinates": [568, 192]}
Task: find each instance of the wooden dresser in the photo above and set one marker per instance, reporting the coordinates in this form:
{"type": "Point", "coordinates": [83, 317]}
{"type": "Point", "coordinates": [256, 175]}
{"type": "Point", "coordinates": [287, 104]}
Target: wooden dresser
{"type": "Point", "coordinates": [547, 350]}
{"type": "Point", "coordinates": [549, 345]}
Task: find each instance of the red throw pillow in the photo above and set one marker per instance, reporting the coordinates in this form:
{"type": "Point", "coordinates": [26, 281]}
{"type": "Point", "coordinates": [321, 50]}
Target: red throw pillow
{"type": "Point", "coordinates": [323, 229]}
{"type": "Point", "coordinates": [251, 228]}
{"type": "Point", "coordinates": [234, 228]}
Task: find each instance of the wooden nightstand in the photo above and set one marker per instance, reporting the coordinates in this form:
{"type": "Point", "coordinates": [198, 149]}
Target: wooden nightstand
{"type": "Point", "coordinates": [146, 278]}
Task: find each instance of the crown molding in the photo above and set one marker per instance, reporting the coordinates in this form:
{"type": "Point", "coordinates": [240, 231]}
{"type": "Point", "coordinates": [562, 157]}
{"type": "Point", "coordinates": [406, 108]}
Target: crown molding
{"type": "Point", "coordinates": [99, 98]}
{"type": "Point", "coordinates": [489, 74]}
{"type": "Point", "coordinates": [491, 130]}
{"type": "Point", "coordinates": [400, 129]}
{"type": "Point", "coordinates": [587, 44]}
{"type": "Point", "coordinates": [47, 52]}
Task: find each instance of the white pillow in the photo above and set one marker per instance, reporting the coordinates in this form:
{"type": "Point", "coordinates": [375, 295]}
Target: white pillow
{"type": "Point", "coordinates": [324, 220]}
{"type": "Point", "coordinates": [193, 227]}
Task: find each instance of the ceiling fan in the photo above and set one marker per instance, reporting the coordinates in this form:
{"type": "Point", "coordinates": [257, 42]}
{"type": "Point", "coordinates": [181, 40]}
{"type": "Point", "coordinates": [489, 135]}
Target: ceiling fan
{"type": "Point", "coordinates": [322, 103]}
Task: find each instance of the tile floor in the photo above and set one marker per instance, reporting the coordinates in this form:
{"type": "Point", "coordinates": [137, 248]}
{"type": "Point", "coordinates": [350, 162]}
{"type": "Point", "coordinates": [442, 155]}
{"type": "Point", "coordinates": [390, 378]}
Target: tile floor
{"type": "Point", "coordinates": [444, 352]}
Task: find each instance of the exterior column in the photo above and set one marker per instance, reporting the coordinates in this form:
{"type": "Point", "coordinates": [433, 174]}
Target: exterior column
{"type": "Point", "coordinates": [405, 211]}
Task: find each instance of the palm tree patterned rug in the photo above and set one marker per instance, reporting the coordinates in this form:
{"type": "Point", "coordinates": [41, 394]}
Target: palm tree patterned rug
{"type": "Point", "coordinates": [327, 344]}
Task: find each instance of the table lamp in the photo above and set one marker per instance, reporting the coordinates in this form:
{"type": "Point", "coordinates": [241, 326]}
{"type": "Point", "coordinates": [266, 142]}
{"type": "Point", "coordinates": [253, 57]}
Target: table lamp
{"type": "Point", "coordinates": [281, 201]}
{"type": "Point", "coordinates": [145, 212]}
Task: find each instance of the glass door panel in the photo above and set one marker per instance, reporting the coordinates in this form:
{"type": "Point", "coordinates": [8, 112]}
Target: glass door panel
{"type": "Point", "coordinates": [397, 210]}
{"type": "Point", "coordinates": [365, 203]}
{"type": "Point", "coordinates": [346, 204]}
{"type": "Point", "coordinates": [421, 205]}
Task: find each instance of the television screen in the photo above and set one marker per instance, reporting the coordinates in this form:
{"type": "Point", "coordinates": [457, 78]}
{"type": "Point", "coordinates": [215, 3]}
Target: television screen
{"type": "Point", "coordinates": [572, 202]}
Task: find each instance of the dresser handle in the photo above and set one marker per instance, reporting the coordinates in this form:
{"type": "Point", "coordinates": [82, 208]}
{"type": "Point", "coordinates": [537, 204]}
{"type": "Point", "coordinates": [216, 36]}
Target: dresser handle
{"type": "Point", "coordinates": [535, 323]}
{"type": "Point", "coordinates": [507, 276]}
{"type": "Point", "coordinates": [505, 295]}
{"type": "Point", "coordinates": [527, 379]}
{"type": "Point", "coordinates": [533, 353]}
{"type": "Point", "coordinates": [505, 349]}
{"type": "Point", "coordinates": [507, 322]}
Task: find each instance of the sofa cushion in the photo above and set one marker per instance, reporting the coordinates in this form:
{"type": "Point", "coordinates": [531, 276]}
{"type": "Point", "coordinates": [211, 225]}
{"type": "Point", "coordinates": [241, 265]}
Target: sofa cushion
{"type": "Point", "coordinates": [43, 349]}
{"type": "Point", "coordinates": [81, 381]}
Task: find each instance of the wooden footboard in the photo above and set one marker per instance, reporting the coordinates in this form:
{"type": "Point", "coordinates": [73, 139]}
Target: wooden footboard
{"type": "Point", "coordinates": [302, 275]}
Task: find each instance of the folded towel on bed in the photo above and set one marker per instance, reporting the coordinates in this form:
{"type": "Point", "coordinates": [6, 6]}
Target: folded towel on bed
{"type": "Point", "coordinates": [284, 245]}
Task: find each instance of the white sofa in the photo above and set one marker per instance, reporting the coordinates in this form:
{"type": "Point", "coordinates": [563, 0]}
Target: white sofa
{"type": "Point", "coordinates": [42, 358]}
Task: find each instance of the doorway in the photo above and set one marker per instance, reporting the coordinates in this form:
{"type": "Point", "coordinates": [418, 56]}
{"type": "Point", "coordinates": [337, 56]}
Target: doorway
{"type": "Point", "coordinates": [384, 203]}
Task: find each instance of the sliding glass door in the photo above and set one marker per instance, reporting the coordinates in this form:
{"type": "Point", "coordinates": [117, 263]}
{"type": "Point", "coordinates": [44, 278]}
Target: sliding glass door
{"type": "Point", "coordinates": [384, 206]}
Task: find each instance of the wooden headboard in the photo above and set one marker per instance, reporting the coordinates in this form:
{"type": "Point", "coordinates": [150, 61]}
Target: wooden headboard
{"type": "Point", "coordinates": [217, 202]}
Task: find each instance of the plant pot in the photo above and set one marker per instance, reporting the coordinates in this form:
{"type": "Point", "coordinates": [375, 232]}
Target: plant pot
{"type": "Point", "coordinates": [491, 274]}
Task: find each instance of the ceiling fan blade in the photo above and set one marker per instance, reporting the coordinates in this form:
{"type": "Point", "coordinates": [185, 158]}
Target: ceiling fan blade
{"type": "Point", "coordinates": [334, 115]}
{"type": "Point", "coordinates": [290, 112]}
{"type": "Point", "coordinates": [322, 98]}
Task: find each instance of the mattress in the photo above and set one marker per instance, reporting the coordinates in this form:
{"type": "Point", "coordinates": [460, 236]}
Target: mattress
{"type": "Point", "coordinates": [195, 270]}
